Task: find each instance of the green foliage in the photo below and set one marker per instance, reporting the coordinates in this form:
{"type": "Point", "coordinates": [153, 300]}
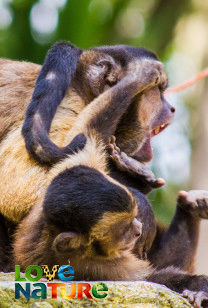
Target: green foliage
{"type": "Point", "coordinates": [94, 22]}
{"type": "Point", "coordinates": [164, 202]}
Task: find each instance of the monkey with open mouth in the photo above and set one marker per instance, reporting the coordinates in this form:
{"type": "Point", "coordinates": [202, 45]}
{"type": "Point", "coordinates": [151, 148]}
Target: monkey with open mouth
{"type": "Point", "coordinates": [89, 217]}
{"type": "Point", "coordinates": [102, 73]}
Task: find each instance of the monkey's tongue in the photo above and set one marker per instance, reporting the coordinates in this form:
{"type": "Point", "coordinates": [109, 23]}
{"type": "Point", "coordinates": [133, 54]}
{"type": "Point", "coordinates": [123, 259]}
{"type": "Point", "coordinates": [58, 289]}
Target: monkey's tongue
{"type": "Point", "coordinates": [145, 154]}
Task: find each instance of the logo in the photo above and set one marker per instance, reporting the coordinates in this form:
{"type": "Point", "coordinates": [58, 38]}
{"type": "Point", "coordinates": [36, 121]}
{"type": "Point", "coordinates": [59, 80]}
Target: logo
{"type": "Point", "coordinates": [38, 290]}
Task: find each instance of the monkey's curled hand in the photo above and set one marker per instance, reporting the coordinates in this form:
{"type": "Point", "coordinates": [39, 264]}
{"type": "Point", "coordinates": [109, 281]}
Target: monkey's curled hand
{"type": "Point", "coordinates": [147, 73]}
{"type": "Point", "coordinates": [133, 168]}
{"type": "Point", "coordinates": [198, 299]}
{"type": "Point", "coordinates": [195, 202]}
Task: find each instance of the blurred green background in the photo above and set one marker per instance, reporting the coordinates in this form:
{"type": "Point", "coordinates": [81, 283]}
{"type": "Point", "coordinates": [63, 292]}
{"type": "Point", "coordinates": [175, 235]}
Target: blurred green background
{"type": "Point", "coordinates": [177, 30]}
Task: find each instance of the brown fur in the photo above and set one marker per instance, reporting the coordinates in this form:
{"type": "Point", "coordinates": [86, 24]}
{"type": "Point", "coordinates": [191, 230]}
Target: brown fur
{"type": "Point", "coordinates": [23, 181]}
{"type": "Point", "coordinates": [87, 264]}
{"type": "Point", "coordinates": [43, 235]}
{"type": "Point", "coordinates": [17, 80]}
{"type": "Point", "coordinates": [35, 238]}
{"type": "Point", "coordinates": [29, 178]}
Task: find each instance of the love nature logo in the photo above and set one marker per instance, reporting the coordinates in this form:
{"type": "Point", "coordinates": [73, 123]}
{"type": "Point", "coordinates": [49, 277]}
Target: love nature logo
{"type": "Point", "coordinates": [38, 290]}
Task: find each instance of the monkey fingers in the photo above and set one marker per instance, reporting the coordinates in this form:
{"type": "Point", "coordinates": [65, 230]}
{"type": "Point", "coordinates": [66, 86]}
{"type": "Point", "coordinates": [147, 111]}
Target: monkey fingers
{"type": "Point", "coordinates": [148, 73]}
{"type": "Point", "coordinates": [198, 299]}
{"type": "Point", "coordinates": [130, 165]}
{"type": "Point", "coordinates": [195, 202]}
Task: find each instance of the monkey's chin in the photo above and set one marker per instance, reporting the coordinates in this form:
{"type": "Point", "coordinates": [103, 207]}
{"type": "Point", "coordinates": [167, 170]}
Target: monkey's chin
{"type": "Point", "coordinates": [145, 154]}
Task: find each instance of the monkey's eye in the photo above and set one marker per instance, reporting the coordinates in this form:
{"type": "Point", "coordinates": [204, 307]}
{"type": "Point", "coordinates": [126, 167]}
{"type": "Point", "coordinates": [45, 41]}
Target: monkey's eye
{"type": "Point", "coordinates": [127, 228]}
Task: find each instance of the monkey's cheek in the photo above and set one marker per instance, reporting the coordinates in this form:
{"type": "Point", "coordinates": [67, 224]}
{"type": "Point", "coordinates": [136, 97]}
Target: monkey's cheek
{"type": "Point", "coordinates": [145, 154]}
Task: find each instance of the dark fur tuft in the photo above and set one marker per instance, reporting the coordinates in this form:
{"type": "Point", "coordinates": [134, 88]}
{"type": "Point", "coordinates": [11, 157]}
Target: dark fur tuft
{"type": "Point", "coordinates": [60, 62]}
{"type": "Point", "coordinates": [78, 197]}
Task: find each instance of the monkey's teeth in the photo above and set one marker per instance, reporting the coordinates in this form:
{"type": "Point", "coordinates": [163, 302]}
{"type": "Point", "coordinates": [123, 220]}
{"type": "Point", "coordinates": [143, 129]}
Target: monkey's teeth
{"type": "Point", "coordinates": [157, 130]}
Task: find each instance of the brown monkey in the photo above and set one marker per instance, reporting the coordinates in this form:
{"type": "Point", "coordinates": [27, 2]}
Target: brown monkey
{"type": "Point", "coordinates": [146, 116]}
{"type": "Point", "coordinates": [98, 70]}
{"type": "Point", "coordinates": [93, 156]}
{"type": "Point", "coordinates": [89, 219]}
{"type": "Point", "coordinates": [97, 241]}
{"type": "Point", "coordinates": [27, 176]}
{"type": "Point", "coordinates": [22, 179]}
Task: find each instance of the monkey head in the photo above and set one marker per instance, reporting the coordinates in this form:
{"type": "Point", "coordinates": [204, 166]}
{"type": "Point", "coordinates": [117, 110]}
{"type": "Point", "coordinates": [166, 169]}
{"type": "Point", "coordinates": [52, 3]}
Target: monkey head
{"type": "Point", "coordinates": [96, 71]}
{"type": "Point", "coordinates": [149, 113]}
{"type": "Point", "coordinates": [89, 73]}
{"type": "Point", "coordinates": [94, 225]}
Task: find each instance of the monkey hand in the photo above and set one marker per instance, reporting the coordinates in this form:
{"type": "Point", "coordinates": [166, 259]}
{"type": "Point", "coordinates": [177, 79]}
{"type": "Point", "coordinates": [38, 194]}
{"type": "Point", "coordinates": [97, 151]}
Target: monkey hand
{"type": "Point", "coordinates": [147, 73]}
{"type": "Point", "coordinates": [194, 202]}
{"type": "Point", "coordinates": [141, 173]}
{"type": "Point", "coordinates": [197, 299]}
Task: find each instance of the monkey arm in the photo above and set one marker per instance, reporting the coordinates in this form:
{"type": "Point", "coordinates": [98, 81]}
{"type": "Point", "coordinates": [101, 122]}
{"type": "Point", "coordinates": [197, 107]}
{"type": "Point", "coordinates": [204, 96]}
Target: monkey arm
{"type": "Point", "coordinates": [165, 247]}
{"type": "Point", "coordinates": [194, 287]}
{"type": "Point", "coordinates": [51, 85]}
{"type": "Point", "coordinates": [177, 245]}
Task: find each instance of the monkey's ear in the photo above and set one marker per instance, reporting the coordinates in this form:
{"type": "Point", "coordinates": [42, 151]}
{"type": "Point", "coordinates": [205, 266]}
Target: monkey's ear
{"type": "Point", "coordinates": [103, 73]}
{"type": "Point", "coordinates": [54, 78]}
{"type": "Point", "coordinates": [66, 242]}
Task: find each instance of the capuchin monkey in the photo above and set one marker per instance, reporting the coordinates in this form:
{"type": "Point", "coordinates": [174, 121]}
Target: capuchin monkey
{"type": "Point", "coordinates": [90, 80]}
{"type": "Point", "coordinates": [91, 220]}
{"type": "Point", "coordinates": [148, 113]}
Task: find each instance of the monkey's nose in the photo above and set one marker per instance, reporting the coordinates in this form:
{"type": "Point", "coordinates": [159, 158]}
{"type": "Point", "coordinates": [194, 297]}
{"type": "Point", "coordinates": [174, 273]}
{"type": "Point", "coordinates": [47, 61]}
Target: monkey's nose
{"type": "Point", "coordinates": [138, 228]}
{"type": "Point", "coordinates": [172, 109]}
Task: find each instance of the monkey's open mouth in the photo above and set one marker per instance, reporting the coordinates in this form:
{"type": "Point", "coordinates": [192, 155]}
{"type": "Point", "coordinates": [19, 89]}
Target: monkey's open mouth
{"type": "Point", "coordinates": [145, 153]}
{"type": "Point", "coordinates": [158, 129]}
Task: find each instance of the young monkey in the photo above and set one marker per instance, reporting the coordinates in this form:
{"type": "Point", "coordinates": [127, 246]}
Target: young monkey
{"type": "Point", "coordinates": [87, 217]}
